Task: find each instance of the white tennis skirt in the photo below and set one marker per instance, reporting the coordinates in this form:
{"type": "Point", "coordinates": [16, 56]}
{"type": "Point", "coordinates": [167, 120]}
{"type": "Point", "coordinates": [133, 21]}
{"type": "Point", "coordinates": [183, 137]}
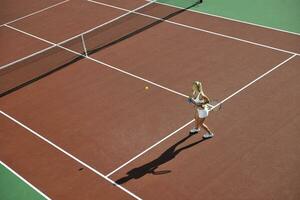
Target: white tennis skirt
{"type": "Point", "coordinates": [203, 113]}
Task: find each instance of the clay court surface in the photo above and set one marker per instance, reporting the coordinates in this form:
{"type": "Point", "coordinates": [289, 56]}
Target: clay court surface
{"type": "Point", "coordinates": [90, 130]}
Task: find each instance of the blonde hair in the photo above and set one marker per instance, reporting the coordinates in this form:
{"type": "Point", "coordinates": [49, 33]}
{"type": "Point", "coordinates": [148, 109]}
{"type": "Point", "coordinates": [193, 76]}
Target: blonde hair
{"type": "Point", "coordinates": [199, 88]}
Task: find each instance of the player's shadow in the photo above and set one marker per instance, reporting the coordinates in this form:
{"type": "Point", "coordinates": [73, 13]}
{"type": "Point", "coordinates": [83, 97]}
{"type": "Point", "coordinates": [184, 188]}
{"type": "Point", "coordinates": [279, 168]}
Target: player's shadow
{"type": "Point", "coordinates": [152, 166]}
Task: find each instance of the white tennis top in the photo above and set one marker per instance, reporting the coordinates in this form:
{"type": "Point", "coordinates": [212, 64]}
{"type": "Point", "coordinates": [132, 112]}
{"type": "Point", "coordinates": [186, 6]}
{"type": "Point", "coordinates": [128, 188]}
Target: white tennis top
{"type": "Point", "coordinates": [199, 100]}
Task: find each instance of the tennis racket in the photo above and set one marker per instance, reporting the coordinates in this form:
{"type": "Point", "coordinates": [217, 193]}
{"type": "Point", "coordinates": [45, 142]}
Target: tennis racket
{"type": "Point", "coordinates": [214, 105]}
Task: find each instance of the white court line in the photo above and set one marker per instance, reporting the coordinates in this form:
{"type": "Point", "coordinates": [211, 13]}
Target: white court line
{"type": "Point", "coordinates": [68, 154]}
{"type": "Point", "coordinates": [26, 57]}
{"type": "Point", "coordinates": [138, 77]}
{"type": "Point", "coordinates": [25, 181]}
{"type": "Point", "coordinates": [231, 19]}
{"type": "Point", "coordinates": [198, 29]}
{"type": "Point", "coordinates": [151, 147]}
{"type": "Point", "coordinates": [100, 62]}
{"type": "Point", "coordinates": [255, 80]}
{"type": "Point", "coordinates": [31, 35]}
{"type": "Point", "coordinates": [176, 131]}
{"type": "Point", "coordinates": [36, 12]}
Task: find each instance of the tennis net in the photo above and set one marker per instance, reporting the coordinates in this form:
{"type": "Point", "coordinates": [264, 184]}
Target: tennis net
{"type": "Point", "coordinates": [29, 69]}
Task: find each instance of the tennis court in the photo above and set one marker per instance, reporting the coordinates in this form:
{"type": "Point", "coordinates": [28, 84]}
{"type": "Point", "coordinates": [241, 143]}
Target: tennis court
{"type": "Point", "coordinates": [94, 102]}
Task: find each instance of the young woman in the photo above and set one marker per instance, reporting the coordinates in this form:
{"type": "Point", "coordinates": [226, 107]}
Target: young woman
{"type": "Point", "coordinates": [199, 99]}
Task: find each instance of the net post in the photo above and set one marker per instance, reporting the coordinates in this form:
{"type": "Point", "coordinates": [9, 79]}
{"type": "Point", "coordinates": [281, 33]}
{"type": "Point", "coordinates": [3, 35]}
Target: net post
{"type": "Point", "coordinates": [83, 44]}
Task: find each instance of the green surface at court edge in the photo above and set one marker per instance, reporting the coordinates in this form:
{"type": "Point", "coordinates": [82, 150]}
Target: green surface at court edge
{"type": "Point", "coordinates": [13, 188]}
{"type": "Point", "coordinates": [279, 14]}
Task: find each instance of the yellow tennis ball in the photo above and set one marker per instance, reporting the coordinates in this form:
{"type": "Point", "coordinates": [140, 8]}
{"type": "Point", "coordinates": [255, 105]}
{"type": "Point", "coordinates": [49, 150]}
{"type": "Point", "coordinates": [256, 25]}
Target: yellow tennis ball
{"type": "Point", "coordinates": [146, 88]}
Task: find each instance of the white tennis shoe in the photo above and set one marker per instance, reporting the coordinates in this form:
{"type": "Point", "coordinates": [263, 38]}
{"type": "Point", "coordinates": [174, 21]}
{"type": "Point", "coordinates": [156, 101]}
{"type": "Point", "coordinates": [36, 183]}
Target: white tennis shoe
{"type": "Point", "coordinates": [208, 135]}
{"type": "Point", "coordinates": [194, 130]}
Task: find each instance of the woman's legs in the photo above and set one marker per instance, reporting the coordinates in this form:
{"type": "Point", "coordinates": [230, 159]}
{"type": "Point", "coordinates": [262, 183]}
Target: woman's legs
{"type": "Point", "coordinates": [197, 120]}
{"type": "Point", "coordinates": [208, 133]}
{"type": "Point", "coordinates": [201, 123]}
{"type": "Point", "coordinates": [197, 124]}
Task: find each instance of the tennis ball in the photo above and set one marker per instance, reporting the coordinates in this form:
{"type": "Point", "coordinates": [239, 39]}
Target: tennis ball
{"type": "Point", "coordinates": [146, 88]}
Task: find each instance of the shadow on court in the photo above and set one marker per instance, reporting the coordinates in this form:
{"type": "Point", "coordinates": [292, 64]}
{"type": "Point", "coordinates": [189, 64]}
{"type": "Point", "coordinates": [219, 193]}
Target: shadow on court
{"type": "Point", "coordinates": [152, 166]}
